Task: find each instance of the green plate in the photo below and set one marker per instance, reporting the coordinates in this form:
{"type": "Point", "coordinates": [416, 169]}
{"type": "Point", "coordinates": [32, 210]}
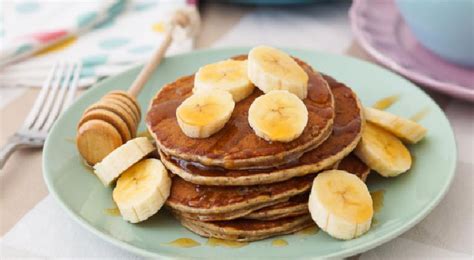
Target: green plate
{"type": "Point", "coordinates": [408, 198]}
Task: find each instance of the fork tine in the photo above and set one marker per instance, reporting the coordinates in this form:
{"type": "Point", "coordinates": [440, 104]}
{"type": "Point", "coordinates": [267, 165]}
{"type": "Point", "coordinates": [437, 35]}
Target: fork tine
{"type": "Point", "coordinates": [33, 114]}
{"type": "Point", "coordinates": [58, 102]}
{"type": "Point", "coordinates": [49, 101]}
{"type": "Point", "coordinates": [72, 90]}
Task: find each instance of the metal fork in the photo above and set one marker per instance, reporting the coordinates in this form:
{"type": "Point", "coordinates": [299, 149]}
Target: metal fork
{"type": "Point", "coordinates": [56, 95]}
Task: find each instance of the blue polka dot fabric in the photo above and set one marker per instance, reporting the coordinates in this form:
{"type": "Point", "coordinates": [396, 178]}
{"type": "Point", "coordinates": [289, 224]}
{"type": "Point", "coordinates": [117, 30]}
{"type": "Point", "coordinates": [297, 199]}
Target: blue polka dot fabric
{"type": "Point", "coordinates": [100, 33]}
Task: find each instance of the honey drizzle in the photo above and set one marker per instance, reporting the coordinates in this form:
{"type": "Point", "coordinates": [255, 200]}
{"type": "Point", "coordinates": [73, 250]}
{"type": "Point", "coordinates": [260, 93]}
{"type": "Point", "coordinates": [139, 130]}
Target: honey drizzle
{"type": "Point", "coordinates": [386, 102]}
{"type": "Point", "coordinates": [420, 114]}
{"type": "Point", "coordinates": [212, 241]}
{"type": "Point", "coordinates": [377, 199]}
{"type": "Point", "coordinates": [112, 211]}
{"type": "Point", "coordinates": [279, 243]}
{"type": "Point", "coordinates": [312, 230]}
{"type": "Point", "coordinates": [184, 242]}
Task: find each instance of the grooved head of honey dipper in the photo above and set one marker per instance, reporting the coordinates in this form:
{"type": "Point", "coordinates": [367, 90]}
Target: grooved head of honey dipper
{"type": "Point", "coordinates": [96, 139]}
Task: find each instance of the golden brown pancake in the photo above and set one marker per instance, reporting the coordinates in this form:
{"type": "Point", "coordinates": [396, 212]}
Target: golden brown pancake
{"type": "Point", "coordinates": [227, 215]}
{"type": "Point", "coordinates": [344, 138]}
{"type": "Point", "coordinates": [267, 201]}
{"type": "Point", "coordinates": [186, 197]}
{"type": "Point", "coordinates": [236, 146]}
{"type": "Point", "coordinates": [295, 206]}
{"type": "Point", "coordinates": [247, 229]}
{"type": "Point", "coordinates": [353, 164]}
{"type": "Point", "coordinates": [298, 205]}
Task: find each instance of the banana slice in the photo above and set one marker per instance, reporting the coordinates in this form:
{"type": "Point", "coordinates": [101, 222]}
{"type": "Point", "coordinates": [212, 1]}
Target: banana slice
{"type": "Point", "coordinates": [142, 190]}
{"type": "Point", "coordinates": [228, 75]}
{"type": "Point", "coordinates": [406, 129]}
{"type": "Point", "coordinates": [382, 151]}
{"type": "Point", "coordinates": [278, 116]}
{"type": "Point", "coordinates": [205, 113]}
{"type": "Point", "coordinates": [271, 69]}
{"type": "Point", "coordinates": [340, 204]}
{"type": "Point", "coordinates": [122, 158]}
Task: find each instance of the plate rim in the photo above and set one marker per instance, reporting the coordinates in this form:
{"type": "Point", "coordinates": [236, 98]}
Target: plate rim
{"type": "Point", "coordinates": [446, 88]}
{"type": "Point", "coordinates": [342, 253]}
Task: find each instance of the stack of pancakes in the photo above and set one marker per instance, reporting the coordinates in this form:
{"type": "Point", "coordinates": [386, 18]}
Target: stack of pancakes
{"type": "Point", "coordinates": [235, 185]}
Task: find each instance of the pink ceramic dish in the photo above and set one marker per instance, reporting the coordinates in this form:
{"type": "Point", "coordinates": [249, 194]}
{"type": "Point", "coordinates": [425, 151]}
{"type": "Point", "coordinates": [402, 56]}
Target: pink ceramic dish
{"type": "Point", "coordinates": [381, 31]}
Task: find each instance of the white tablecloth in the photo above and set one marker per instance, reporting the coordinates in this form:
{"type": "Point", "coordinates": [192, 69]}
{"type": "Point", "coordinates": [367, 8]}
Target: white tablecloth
{"type": "Point", "coordinates": [446, 233]}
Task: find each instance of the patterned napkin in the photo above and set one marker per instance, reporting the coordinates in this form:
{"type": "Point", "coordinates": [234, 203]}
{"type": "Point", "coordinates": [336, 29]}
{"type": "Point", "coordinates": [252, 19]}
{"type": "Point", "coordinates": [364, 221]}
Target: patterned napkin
{"type": "Point", "coordinates": [107, 36]}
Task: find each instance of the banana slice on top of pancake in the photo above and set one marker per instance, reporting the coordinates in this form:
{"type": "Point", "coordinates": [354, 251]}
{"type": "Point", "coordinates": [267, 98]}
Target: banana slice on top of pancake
{"type": "Point", "coordinates": [205, 113]}
{"type": "Point", "coordinates": [271, 69]}
{"type": "Point", "coordinates": [142, 190]}
{"type": "Point", "coordinates": [278, 116]}
{"type": "Point", "coordinates": [340, 204]}
{"type": "Point", "coordinates": [382, 151]}
{"type": "Point", "coordinates": [405, 129]}
{"type": "Point", "coordinates": [228, 75]}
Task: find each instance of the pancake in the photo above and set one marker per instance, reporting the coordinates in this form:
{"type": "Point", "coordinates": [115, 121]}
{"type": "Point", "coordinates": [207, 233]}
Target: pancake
{"type": "Point", "coordinates": [236, 146]}
{"type": "Point", "coordinates": [227, 215]}
{"type": "Point", "coordinates": [295, 206]}
{"type": "Point", "coordinates": [346, 134]}
{"type": "Point", "coordinates": [247, 229]}
{"type": "Point", "coordinates": [268, 201]}
{"type": "Point", "coordinates": [298, 205]}
{"type": "Point", "coordinates": [353, 164]}
{"type": "Point", "coordinates": [186, 197]}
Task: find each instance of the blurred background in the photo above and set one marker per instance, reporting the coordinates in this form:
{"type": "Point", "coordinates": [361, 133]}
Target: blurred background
{"type": "Point", "coordinates": [430, 42]}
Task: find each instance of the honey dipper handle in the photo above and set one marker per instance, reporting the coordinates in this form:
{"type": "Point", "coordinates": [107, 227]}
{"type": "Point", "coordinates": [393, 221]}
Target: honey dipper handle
{"type": "Point", "coordinates": [180, 18]}
{"type": "Point", "coordinates": [155, 60]}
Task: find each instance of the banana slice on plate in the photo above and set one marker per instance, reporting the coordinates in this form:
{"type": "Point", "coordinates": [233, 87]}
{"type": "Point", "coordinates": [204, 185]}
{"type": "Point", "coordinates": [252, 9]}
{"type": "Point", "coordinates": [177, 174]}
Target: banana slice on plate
{"type": "Point", "coordinates": [382, 151]}
{"type": "Point", "coordinates": [142, 190]}
{"type": "Point", "coordinates": [271, 69]}
{"type": "Point", "coordinates": [122, 158]}
{"type": "Point", "coordinates": [406, 129]}
{"type": "Point", "coordinates": [228, 75]}
{"type": "Point", "coordinates": [340, 204]}
{"type": "Point", "coordinates": [278, 116]}
{"type": "Point", "coordinates": [205, 113]}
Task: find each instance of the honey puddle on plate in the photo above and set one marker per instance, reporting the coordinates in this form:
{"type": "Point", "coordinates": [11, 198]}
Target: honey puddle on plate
{"type": "Point", "coordinates": [386, 102]}
{"type": "Point", "coordinates": [279, 243]}
{"type": "Point", "coordinates": [308, 231]}
{"type": "Point", "coordinates": [115, 212]}
{"type": "Point", "coordinates": [420, 114]}
{"type": "Point", "coordinates": [377, 199]}
{"type": "Point", "coordinates": [226, 243]}
{"type": "Point", "coordinates": [184, 243]}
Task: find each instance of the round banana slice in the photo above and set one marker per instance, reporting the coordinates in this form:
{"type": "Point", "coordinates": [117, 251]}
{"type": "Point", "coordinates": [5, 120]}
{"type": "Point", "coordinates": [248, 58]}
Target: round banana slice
{"type": "Point", "coordinates": [382, 151]}
{"type": "Point", "coordinates": [228, 75]}
{"type": "Point", "coordinates": [340, 204]}
{"type": "Point", "coordinates": [278, 116]}
{"type": "Point", "coordinates": [271, 69]}
{"type": "Point", "coordinates": [142, 190]}
{"type": "Point", "coordinates": [405, 129]}
{"type": "Point", "coordinates": [205, 113]}
{"type": "Point", "coordinates": [120, 159]}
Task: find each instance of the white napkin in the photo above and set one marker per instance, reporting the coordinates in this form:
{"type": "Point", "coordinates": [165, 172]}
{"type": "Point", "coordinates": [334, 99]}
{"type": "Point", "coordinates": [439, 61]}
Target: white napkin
{"type": "Point", "coordinates": [445, 233]}
{"type": "Point", "coordinates": [314, 27]}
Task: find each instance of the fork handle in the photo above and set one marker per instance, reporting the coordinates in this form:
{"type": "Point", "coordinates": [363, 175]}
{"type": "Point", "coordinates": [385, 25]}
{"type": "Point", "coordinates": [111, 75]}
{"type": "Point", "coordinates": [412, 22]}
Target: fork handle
{"type": "Point", "coordinates": [7, 150]}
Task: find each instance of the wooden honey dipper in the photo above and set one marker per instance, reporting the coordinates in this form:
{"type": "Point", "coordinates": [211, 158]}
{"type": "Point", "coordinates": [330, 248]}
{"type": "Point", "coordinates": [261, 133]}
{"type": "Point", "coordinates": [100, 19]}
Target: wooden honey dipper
{"type": "Point", "coordinates": [114, 119]}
